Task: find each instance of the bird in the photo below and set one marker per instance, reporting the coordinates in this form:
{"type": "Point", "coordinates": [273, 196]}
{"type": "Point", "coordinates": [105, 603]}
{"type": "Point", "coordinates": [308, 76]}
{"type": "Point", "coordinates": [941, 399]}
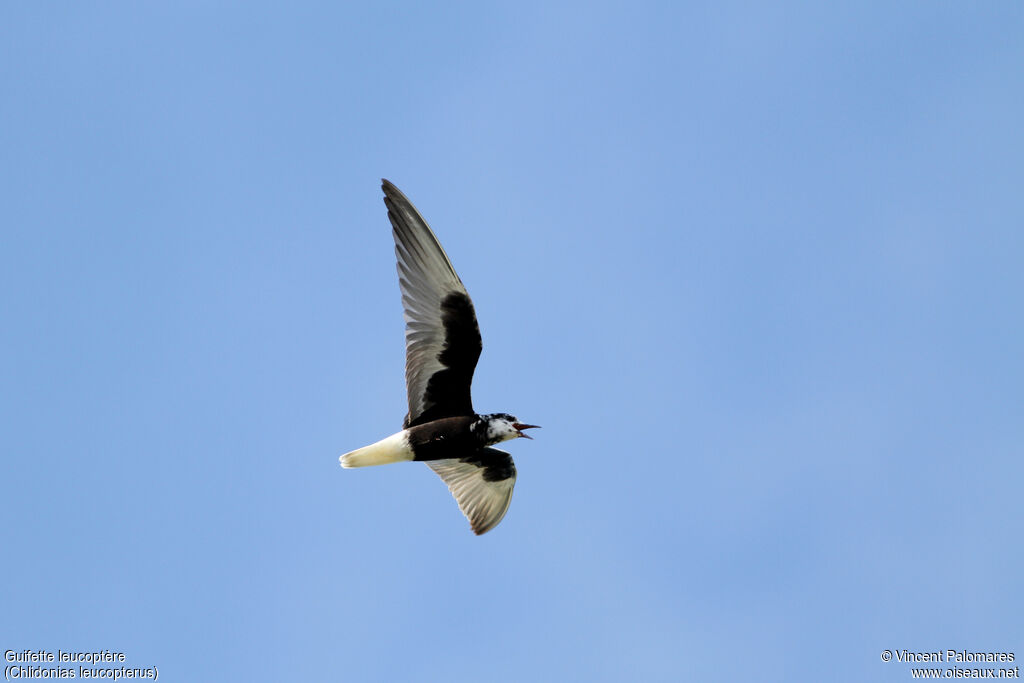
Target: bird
{"type": "Point", "coordinates": [442, 346]}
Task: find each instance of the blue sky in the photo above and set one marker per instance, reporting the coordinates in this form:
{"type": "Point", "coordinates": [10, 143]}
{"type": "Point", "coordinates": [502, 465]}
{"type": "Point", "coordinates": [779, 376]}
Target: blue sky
{"type": "Point", "coordinates": [755, 268]}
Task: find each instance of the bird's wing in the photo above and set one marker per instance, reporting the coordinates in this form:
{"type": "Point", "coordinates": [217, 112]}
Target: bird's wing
{"type": "Point", "coordinates": [442, 338]}
{"type": "Point", "coordinates": [482, 485]}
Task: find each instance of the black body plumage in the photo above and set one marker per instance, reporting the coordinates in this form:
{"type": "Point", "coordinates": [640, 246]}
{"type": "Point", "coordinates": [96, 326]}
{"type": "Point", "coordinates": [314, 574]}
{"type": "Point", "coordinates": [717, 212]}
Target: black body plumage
{"type": "Point", "coordinates": [445, 437]}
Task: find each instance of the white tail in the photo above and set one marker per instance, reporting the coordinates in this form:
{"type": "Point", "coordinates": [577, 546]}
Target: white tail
{"type": "Point", "coordinates": [395, 448]}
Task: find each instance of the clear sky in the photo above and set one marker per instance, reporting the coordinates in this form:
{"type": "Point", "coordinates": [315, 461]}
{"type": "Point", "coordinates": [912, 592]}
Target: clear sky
{"type": "Point", "coordinates": [756, 268]}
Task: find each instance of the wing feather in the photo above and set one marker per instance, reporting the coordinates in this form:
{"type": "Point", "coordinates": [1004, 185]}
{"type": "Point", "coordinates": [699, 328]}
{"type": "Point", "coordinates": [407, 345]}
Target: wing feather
{"type": "Point", "coordinates": [481, 484]}
{"type": "Point", "coordinates": [442, 338]}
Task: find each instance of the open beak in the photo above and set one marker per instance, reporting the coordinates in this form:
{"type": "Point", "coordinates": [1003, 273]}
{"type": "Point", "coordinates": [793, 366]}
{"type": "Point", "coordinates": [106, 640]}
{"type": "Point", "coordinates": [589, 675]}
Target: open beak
{"type": "Point", "coordinates": [520, 427]}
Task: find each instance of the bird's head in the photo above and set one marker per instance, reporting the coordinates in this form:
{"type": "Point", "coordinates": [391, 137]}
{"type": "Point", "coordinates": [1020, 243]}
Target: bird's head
{"type": "Point", "coordinates": [502, 427]}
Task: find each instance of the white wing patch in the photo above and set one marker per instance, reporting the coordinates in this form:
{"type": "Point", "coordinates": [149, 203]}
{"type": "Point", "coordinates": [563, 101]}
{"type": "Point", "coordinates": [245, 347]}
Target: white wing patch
{"type": "Point", "coordinates": [483, 502]}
